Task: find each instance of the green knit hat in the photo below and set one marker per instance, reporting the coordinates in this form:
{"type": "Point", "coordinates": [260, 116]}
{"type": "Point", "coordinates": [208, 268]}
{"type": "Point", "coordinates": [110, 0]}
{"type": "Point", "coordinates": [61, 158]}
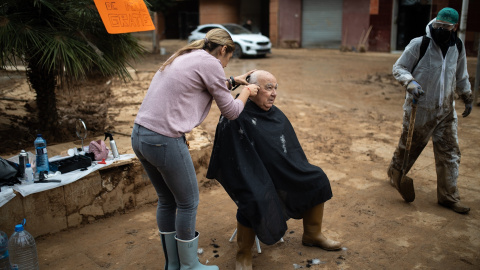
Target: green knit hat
{"type": "Point", "coordinates": [448, 15]}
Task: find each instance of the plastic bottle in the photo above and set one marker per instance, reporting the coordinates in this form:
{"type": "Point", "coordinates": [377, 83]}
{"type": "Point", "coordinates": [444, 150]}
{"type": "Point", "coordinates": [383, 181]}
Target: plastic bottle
{"type": "Point", "coordinates": [4, 261]}
{"type": "Point", "coordinates": [22, 249]}
{"type": "Point", "coordinates": [28, 175]}
{"type": "Point", "coordinates": [41, 154]}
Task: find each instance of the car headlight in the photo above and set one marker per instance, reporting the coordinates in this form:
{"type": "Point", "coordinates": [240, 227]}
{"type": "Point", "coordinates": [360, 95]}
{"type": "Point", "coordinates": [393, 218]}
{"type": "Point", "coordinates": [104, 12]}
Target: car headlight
{"type": "Point", "coordinates": [247, 41]}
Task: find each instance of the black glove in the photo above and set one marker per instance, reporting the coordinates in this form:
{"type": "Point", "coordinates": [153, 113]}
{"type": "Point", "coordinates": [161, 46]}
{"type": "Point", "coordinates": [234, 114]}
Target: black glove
{"type": "Point", "coordinates": [468, 109]}
{"type": "Point", "coordinates": [415, 89]}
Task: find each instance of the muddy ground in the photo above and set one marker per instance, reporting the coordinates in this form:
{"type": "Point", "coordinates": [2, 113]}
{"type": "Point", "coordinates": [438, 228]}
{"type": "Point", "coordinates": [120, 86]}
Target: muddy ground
{"type": "Point", "coordinates": [347, 111]}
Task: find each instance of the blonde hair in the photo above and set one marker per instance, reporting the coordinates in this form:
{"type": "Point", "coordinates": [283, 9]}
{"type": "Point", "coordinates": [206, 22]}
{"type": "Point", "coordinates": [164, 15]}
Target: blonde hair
{"type": "Point", "coordinates": [213, 39]}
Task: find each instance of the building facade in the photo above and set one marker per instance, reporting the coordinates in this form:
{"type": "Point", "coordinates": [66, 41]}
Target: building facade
{"type": "Point", "coordinates": [376, 25]}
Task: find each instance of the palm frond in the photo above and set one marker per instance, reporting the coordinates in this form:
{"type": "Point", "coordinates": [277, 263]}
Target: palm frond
{"type": "Point", "coordinates": [68, 37]}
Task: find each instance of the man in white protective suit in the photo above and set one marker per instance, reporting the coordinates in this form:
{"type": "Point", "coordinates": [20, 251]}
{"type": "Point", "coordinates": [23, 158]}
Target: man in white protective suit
{"type": "Point", "coordinates": [433, 68]}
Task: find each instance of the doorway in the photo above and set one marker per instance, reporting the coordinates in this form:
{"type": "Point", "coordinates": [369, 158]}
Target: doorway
{"type": "Point", "coordinates": [258, 12]}
{"type": "Point", "coordinates": [413, 16]}
{"type": "Point", "coordinates": [181, 19]}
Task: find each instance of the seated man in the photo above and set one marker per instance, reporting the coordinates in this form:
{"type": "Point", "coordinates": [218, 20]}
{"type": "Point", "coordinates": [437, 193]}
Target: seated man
{"type": "Point", "coordinates": [259, 161]}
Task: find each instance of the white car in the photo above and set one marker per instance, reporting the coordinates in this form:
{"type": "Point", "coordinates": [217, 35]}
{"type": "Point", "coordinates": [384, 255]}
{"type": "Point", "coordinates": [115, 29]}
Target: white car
{"type": "Point", "coordinates": [246, 42]}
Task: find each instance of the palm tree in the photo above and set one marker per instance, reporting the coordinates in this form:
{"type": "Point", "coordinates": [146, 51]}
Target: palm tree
{"type": "Point", "coordinates": [60, 41]}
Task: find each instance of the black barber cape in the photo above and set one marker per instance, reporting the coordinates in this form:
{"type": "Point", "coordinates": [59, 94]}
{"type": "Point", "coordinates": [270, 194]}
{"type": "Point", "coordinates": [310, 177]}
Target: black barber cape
{"type": "Point", "coordinates": [259, 161]}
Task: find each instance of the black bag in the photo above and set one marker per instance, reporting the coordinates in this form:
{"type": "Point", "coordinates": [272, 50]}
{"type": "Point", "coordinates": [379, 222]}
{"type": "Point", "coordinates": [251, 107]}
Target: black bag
{"type": "Point", "coordinates": [8, 172]}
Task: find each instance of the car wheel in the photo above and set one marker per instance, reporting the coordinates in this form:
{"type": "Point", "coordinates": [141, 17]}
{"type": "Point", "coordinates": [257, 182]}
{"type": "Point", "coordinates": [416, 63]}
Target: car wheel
{"type": "Point", "coordinates": [237, 53]}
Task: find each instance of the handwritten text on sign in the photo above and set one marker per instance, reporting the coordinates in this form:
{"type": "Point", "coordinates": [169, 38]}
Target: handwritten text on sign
{"type": "Point", "coordinates": [124, 16]}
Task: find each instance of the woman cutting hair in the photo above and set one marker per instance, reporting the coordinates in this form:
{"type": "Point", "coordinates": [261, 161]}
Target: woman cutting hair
{"type": "Point", "coordinates": [178, 99]}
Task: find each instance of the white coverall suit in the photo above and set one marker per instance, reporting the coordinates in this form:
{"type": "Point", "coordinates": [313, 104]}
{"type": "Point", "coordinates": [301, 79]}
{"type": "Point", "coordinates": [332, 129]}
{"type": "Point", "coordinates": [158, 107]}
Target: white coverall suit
{"type": "Point", "coordinates": [436, 117]}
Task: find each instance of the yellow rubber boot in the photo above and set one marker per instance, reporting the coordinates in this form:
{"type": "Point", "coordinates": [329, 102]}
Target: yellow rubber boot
{"type": "Point", "coordinates": [245, 240]}
{"type": "Point", "coordinates": [312, 230]}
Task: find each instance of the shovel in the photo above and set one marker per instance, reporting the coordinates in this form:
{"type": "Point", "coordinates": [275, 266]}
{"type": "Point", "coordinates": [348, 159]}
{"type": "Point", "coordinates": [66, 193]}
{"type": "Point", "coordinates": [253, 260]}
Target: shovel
{"type": "Point", "coordinates": [403, 183]}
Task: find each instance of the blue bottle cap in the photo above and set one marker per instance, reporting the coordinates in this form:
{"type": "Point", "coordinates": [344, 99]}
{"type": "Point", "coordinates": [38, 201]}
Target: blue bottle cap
{"type": "Point", "coordinates": [39, 135]}
{"type": "Point", "coordinates": [28, 165]}
{"type": "Point", "coordinates": [19, 227]}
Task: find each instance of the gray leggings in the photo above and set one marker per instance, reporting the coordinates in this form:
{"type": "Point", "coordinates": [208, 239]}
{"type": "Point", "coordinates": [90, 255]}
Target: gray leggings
{"type": "Point", "coordinates": [169, 166]}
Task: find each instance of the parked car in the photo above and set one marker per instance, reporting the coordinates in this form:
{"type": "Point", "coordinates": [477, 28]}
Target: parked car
{"type": "Point", "coordinates": [246, 42]}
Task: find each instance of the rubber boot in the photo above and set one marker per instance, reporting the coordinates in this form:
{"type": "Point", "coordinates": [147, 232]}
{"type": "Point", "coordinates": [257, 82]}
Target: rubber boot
{"type": "Point", "coordinates": [169, 245]}
{"type": "Point", "coordinates": [245, 240]}
{"type": "Point", "coordinates": [457, 207]}
{"type": "Point", "coordinates": [312, 230]}
{"type": "Point", "coordinates": [187, 252]}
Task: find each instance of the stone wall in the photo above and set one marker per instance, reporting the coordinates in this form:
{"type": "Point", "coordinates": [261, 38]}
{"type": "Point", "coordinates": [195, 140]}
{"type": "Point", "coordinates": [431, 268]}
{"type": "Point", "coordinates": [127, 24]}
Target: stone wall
{"type": "Point", "coordinates": [103, 193]}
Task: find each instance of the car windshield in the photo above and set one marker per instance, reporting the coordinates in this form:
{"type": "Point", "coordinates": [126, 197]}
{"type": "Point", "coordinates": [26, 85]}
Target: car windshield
{"type": "Point", "coordinates": [236, 29]}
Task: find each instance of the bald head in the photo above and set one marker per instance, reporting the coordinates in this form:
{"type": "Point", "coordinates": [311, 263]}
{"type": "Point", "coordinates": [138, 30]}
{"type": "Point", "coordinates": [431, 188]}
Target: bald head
{"type": "Point", "coordinates": [268, 89]}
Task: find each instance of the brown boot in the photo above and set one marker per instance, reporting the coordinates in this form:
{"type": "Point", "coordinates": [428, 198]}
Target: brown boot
{"type": "Point", "coordinates": [245, 240]}
{"type": "Point", "coordinates": [457, 207]}
{"type": "Point", "coordinates": [312, 230]}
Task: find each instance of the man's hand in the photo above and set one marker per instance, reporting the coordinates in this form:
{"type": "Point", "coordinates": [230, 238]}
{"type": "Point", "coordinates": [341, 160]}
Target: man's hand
{"type": "Point", "coordinates": [468, 109]}
{"type": "Point", "coordinates": [415, 89]}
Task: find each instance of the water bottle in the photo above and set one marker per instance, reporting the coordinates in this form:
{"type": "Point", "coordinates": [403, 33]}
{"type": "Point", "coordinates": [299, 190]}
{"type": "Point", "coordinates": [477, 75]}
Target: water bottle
{"type": "Point", "coordinates": [41, 154]}
{"type": "Point", "coordinates": [28, 175]}
{"type": "Point", "coordinates": [4, 261]}
{"type": "Point", "coordinates": [22, 249]}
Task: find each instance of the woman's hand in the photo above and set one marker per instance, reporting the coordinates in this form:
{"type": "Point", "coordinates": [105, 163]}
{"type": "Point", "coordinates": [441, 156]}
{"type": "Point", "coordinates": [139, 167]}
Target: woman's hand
{"type": "Point", "coordinates": [252, 89]}
{"type": "Point", "coordinates": [242, 79]}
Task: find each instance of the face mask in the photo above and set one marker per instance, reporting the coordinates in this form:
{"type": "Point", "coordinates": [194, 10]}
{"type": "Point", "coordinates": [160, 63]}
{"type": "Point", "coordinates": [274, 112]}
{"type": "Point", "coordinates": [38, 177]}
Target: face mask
{"type": "Point", "coordinates": [440, 35]}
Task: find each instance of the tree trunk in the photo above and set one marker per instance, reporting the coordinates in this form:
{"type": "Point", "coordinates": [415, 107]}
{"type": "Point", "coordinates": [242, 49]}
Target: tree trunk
{"type": "Point", "coordinates": [159, 21]}
{"type": "Point", "coordinates": [44, 82]}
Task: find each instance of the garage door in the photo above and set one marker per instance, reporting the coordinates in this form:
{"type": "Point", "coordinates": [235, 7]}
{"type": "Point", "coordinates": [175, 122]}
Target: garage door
{"type": "Point", "coordinates": [322, 23]}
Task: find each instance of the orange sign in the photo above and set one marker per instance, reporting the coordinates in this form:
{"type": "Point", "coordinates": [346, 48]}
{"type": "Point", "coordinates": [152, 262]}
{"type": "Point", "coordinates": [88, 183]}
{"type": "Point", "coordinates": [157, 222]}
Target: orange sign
{"type": "Point", "coordinates": [374, 7]}
{"type": "Point", "coordinates": [124, 16]}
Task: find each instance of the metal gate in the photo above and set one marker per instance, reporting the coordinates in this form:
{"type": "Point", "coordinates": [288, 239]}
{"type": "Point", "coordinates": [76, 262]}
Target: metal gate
{"type": "Point", "coordinates": [322, 23]}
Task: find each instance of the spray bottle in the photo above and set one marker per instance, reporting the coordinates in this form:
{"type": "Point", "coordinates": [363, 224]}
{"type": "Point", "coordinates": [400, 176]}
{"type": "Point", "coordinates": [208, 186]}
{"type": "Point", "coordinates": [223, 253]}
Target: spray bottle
{"type": "Point", "coordinates": [113, 145]}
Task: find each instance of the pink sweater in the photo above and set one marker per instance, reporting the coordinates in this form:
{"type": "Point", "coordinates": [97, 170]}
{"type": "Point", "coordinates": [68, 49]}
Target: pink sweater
{"type": "Point", "coordinates": [179, 97]}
